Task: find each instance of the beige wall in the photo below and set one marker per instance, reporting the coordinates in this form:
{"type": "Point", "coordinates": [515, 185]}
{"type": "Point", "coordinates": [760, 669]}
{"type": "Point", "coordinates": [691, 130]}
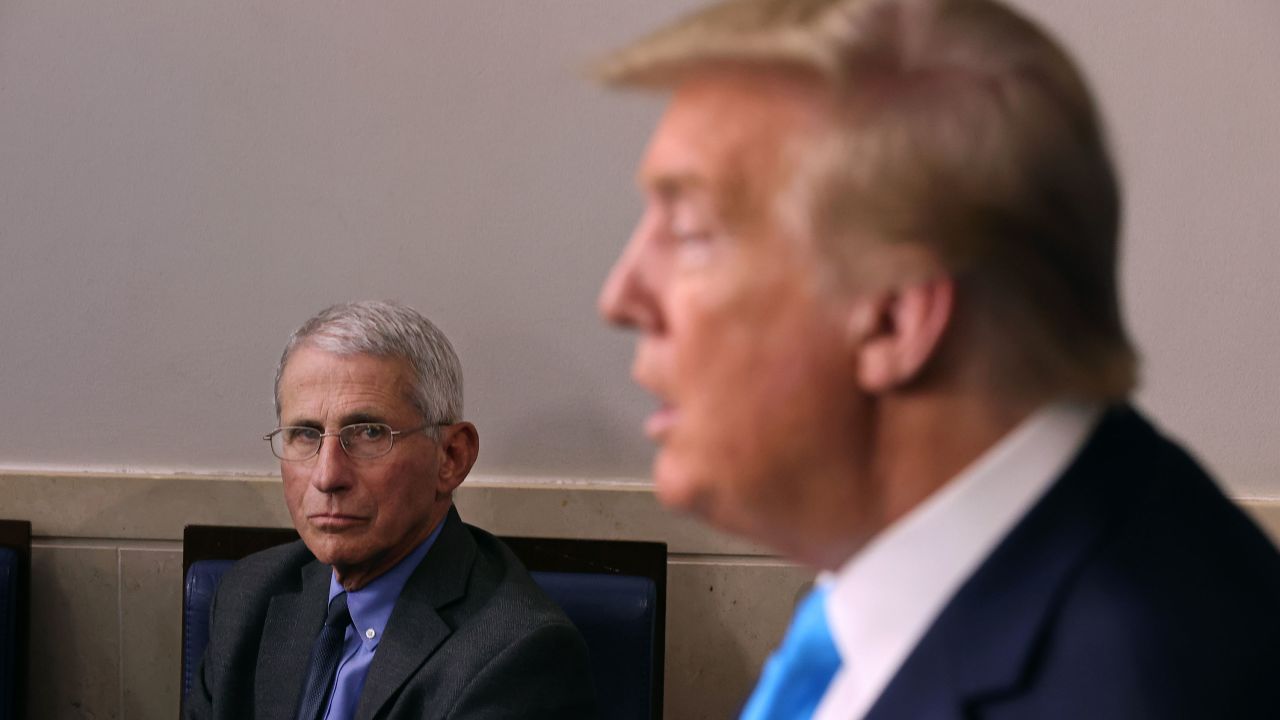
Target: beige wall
{"type": "Point", "coordinates": [182, 182]}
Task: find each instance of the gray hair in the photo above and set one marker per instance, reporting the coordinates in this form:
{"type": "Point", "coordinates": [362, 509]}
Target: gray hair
{"type": "Point", "coordinates": [388, 330]}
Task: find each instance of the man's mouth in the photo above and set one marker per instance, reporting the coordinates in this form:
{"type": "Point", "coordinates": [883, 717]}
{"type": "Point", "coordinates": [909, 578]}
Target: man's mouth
{"type": "Point", "coordinates": [660, 422]}
{"type": "Point", "coordinates": [334, 521]}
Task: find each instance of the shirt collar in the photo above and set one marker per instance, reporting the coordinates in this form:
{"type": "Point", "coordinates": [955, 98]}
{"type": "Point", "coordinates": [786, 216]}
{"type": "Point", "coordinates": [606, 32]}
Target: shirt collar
{"type": "Point", "coordinates": [885, 597]}
{"type": "Point", "coordinates": [371, 605]}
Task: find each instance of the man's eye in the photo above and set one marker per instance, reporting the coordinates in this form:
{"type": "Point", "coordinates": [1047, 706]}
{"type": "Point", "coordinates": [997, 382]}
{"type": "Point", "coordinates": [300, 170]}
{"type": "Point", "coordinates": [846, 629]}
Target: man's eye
{"type": "Point", "coordinates": [689, 223]}
{"type": "Point", "coordinates": [371, 432]}
{"type": "Point", "coordinates": [694, 249]}
{"type": "Point", "coordinates": [301, 435]}
{"type": "Point", "coordinates": [693, 237]}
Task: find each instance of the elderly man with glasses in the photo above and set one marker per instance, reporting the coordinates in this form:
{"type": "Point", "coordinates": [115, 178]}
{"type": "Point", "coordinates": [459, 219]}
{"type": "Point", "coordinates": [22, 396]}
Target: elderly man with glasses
{"type": "Point", "coordinates": [389, 606]}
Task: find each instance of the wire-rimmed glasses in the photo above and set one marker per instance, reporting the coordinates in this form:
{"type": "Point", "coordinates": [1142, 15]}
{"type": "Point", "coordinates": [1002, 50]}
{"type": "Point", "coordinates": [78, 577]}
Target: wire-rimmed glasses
{"type": "Point", "coordinates": [359, 440]}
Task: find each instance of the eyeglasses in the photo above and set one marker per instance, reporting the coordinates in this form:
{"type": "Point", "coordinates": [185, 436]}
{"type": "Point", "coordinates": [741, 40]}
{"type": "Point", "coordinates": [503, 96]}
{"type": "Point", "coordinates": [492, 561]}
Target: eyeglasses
{"type": "Point", "coordinates": [361, 440]}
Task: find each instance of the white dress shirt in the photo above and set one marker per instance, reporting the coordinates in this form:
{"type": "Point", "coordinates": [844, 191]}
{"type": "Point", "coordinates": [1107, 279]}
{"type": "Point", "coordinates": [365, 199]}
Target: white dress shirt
{"type": "Point", "coordinates": [885, 597]}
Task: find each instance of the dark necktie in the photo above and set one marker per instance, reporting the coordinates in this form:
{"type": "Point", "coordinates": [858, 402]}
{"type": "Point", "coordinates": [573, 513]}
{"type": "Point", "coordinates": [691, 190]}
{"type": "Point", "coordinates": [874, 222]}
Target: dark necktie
{"type": "Point", "coordinates": [325, 654]}
{"type": "Point", "coordinates": [796, 676]}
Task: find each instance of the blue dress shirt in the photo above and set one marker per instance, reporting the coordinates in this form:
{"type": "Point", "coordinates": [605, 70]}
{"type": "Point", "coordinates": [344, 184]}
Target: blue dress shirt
{"type": "Point", "coordinates": [370, 608]}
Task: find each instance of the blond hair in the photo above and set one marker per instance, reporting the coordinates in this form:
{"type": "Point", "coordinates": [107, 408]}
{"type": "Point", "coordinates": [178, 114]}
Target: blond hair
{"type": "Point", "coordinates": [961, 126]}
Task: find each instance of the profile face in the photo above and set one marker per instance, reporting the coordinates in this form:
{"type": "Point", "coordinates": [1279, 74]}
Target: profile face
{"type": "Point", "coordinates": [739, 340]}
{"type": "Point", "coordinates": [359, 515]}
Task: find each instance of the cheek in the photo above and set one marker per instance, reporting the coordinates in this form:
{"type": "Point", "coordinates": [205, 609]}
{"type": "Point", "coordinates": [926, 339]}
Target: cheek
{"type": "Point", "coordinates": [759, 402]}
{"type": "Point", "coordinates": [735, 314]}
{"type": "Point", "coordinates": [711, 343]}
{"type": "Point", "coordinates": [295, 486]}
{"type": "Point", "coordinates": [403, 491]}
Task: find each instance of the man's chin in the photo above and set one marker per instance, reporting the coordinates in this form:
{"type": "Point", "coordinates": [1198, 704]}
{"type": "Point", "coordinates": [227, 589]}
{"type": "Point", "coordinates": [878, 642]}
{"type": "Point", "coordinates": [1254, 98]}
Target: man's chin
{"type": "Point", "coordinates": [329, 548]}
{"type": "Point", "coordinates": [682, 491]}
{"type": "Point", "coordinates": [669, 485]}
{"type": "Point", "coordinates": [708, 499]}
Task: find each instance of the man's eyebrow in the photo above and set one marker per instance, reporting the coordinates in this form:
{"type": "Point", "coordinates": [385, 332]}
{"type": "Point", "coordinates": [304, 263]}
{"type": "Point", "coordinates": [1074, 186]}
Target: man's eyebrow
{"type": "Point", "coordinates": [361, 417]}
{"type": "Point", "coordinates": [670, 186]}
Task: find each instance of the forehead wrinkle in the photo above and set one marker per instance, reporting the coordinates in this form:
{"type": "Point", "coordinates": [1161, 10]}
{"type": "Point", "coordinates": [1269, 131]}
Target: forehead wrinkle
{"type": "Point", "coordinates": [362, 412]}
{"type": "Point", "coordinates": [343, 390]}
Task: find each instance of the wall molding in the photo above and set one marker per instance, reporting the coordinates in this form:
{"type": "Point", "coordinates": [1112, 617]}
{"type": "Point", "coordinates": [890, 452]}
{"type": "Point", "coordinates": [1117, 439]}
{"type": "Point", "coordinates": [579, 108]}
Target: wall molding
{"type": "Point", "coordinates": [156, 507]}
{"type": "Point", "coordinates": [127, 506]}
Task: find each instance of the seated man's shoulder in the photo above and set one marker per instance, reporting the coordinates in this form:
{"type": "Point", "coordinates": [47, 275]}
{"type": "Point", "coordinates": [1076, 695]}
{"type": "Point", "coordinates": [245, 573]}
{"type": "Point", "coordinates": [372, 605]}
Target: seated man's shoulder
{"type": "Point", "coordinates": [510, 652]}
{"type": "Point", "coordinates": [264, 572]}
{"type": "Point", "coordinates": [508, 588]}
{"type": "Point", "coordinates": [506, 615]}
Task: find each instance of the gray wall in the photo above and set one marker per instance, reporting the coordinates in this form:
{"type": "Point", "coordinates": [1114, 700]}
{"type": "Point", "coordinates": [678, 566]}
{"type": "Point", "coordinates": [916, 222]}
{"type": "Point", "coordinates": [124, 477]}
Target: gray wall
{"type": "Point", "coordinates": [182, 182]}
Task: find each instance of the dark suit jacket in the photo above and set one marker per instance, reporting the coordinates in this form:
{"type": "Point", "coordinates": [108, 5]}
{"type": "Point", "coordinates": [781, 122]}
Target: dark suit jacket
{"type": "Point", "coordinates": [1133, 589]}
{"type": "Point", "coordinates": [471, 636]}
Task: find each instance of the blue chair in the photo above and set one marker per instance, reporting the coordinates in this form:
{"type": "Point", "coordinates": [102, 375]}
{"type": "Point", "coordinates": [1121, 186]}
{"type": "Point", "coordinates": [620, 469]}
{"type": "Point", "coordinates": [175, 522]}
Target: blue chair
{"type": "Point", "coordinates": [197, 598]}
{"type": "Point", "coordinates": [617, 616]}
{"type": "Point", "coordinates": [15, 565]}
{"type": "Point", "coordinates": [613, 591]}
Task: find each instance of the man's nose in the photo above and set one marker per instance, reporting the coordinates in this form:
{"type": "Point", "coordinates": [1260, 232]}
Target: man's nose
{"type": "Point", "coordinates": [332, 470]}
{"type": "Point", "coordinates": [628, 297]}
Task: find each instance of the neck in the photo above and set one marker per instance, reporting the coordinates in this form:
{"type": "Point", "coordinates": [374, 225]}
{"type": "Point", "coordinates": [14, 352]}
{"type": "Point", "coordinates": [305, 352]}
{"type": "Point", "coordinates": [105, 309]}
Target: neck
{"type": "Point", "coordinates": [919, 441]}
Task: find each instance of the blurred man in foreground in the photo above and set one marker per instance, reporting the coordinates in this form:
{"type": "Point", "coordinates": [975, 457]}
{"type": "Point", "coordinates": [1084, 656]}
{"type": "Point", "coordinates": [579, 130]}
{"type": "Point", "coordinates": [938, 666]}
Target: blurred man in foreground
{"type": "Point", "coordinates": [389, 606]}
{"type": "Point", "coordinates": [875, 288]}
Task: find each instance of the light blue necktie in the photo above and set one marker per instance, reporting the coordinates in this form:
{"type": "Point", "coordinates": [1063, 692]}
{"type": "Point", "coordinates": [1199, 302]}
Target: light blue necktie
{"type": "Point", "coordinates": [797, 674]}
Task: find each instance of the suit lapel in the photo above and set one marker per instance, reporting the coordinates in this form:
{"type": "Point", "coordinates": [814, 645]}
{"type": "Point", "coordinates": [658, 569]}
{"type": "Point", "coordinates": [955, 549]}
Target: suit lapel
{"type": "Point", "coordinates": [293, 621]}
{"type": "Point", "coordinates": [984, 640]}
{"type": "Point", "coordinates": [416, 628]}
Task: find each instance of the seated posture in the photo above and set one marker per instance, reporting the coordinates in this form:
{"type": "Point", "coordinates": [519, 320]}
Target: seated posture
{"type": "Point", "coordinates": [876, 290]}
{"type": "Point", "coordinates": [389, 606]}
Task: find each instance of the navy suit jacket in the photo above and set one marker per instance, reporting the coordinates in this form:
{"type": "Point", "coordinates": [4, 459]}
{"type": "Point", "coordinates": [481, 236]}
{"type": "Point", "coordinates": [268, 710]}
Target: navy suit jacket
{"type": "Point", "coordinates": [1133, 589]}
{"type": "Point", "coordinates": [471, 636]}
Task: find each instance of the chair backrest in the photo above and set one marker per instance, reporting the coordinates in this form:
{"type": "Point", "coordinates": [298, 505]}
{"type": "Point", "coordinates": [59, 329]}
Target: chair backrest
{"type": "Point", "coordinates": [15, 569]}
{"type": "Point", "coordinates": [613, 591]}
{"type": "Point", "coordinates": [197, 598]}
{"type": "Point", "coordinates": [208, 551]}
{"type": "Point", "coordinates": [616, 615]}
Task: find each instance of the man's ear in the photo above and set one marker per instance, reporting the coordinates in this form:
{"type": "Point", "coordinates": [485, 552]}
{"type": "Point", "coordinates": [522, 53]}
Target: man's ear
{"type": "Point", "coordinates": [895, 331]}
{"type": "Point", "coordinates": [459, 447]}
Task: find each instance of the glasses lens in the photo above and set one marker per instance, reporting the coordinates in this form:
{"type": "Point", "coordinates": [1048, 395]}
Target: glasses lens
{"type": "Point", "coordinates": [295, 443]}
{"type": "Point", "coordinates": [367, 440]}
